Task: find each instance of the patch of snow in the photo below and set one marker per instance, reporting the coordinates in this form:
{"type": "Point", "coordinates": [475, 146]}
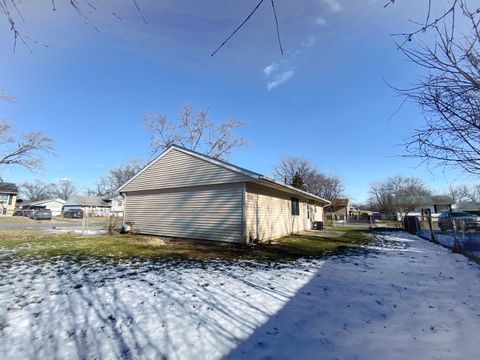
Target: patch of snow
{"type": "Point", "coordinates": [423, 304]}
{"type": "Point", "coordinates": [77, 231]}
{"type": "Point", "coordinates": [175, 309]}
{"type": "Point", "coordinates": [420, 302]}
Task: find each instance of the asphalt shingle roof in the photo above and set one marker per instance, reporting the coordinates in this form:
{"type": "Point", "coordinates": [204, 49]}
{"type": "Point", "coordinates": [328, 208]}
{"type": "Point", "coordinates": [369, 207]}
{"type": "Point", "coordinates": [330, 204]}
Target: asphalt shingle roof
{"type": "Point", "coordinates": [86, 201]}
{"type": "Point", "coordinates": [9, 188]}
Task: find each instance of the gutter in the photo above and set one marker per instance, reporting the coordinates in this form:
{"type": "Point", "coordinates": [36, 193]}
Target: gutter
{"type": "Point", "coordinates": [282, 186]}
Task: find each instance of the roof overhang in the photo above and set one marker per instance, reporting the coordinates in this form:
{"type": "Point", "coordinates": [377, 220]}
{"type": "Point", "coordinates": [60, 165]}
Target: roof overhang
{"type": "Point", "coordinates": [291, 190]}
{"type": "Point", "coordinates": [255, 177]}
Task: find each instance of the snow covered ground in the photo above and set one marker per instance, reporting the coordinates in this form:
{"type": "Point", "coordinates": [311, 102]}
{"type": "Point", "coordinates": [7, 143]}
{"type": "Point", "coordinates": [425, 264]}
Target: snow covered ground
{"type": "Point", "coordinates": [403, 297]}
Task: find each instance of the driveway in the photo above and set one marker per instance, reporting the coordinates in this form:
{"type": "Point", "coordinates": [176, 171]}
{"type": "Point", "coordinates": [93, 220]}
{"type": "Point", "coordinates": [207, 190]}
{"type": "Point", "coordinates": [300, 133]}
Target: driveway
{"type": "Point", "coordinates": [402, 297]}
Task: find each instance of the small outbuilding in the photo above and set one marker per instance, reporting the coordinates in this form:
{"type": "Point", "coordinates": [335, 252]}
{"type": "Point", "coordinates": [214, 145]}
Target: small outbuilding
{"type": "Point", "coordinates": [185, 194]}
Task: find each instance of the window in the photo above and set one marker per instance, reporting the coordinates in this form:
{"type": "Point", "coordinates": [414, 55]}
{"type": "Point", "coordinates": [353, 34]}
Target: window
{"type": "Point", "coordinates": [295, 206]}
{"type": "Point", "coordinates": [4, 198]}
{"type": "Point", "coordinates": [10, 200]}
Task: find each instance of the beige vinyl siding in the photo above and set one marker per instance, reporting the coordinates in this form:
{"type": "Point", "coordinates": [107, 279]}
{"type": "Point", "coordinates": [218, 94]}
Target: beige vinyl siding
{"type": "Point", "coordinates": [178, 169]}
{"type": "Point", "coordinates": [269, 213]}
{"type": "Point", "coordinates": [204, 212]}
{"type": "Point", "coordinates": [7, 206]}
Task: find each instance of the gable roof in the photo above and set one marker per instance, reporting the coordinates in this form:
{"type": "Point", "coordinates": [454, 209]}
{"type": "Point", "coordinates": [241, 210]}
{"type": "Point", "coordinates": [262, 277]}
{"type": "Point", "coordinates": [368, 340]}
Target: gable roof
{"type": "Point", "coordinates": [38, 202]}
{"type": "Point", "coordinates": [436, 200]}
{"type": "Point", "coordinates": [254, 176]}
{"type": "Point", "coordinates": [87, 201]}
{"type": "Point", "coordinates": [8, 188]}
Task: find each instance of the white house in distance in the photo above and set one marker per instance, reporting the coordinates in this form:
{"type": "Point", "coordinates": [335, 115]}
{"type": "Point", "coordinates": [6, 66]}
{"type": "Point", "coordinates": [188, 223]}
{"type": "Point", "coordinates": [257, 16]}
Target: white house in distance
{"type": "Point", "coordinates": [116, 205]}
{"type": "Point", "coordinates": [433, 205]}
{"type": "Point", "coordinates": [184, 194]}
{"type": "Point", "coordinates": [54, 205]}
{"type": "Point", "coordinates": [91, 205]}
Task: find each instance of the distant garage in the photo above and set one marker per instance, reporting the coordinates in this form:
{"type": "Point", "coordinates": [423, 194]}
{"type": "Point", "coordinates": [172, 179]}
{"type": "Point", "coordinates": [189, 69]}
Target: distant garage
{"type": "Point", "coordinates": [185, 194]}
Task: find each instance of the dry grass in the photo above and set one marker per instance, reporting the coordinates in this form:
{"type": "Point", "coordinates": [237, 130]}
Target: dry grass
{"type": "Point", "coordinates": [15, 220]}
{"type": "Point", "coordinates": [30, 243]}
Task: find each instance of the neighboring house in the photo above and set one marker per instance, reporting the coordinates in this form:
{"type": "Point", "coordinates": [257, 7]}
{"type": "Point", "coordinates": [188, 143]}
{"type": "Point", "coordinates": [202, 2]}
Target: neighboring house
{"type": "Point", "coordinates": [8, 198]}
{"type": "Point", "coordinates": [469, 206]}
{"type": "Point", "coordinates": [116, 205]}
{"type": "Point", "coordinates": [184, 194]}
{"type": "Point", "coordinates": [91, 205]}
{"type": "Point", "coordinates": [340, 209]}
{"type": "Point", "coordinates": [55, 205]}
{"type": "Point", "coordinates": [433, 205]}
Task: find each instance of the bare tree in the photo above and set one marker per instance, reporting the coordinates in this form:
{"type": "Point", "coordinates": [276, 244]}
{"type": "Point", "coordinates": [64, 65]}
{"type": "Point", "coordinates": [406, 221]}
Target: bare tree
{"type": "Point", "coordinates": [24, 150]}
{"type": "Point", "coordinates": [107, 185]}
{"type": "Point", "coordinates": [194, 131]}
{"type": "Point", "coordinates": [465, 193]}
{"type": "Point", "coordinates": [37, 190]}
{"type": "Point", "coordinates": [398, 194]}
{"type": "Point", "coordinates": [325, 186]}
{"type": "Point", "coordinates": [289, 168]}
{"type": "Point", "coordinates": [449, 95]}
{"type": "Point", "coordinates": [381, 198]}
{"type": "Point", "coordinates": [302, 174]}
{"type": "Point", "coordinates": [64, 189]}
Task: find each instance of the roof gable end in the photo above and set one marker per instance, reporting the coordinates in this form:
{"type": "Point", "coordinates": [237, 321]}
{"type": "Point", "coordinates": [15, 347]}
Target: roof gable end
{"type": "Point", "coordinates": [180, 167]}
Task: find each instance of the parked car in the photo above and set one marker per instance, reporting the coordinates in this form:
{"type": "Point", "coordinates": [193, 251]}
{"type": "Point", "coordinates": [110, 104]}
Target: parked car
{"type": "Point", "coordinates": [464, 220]}
{"type": "Point", "coordinates": [73, 214]}
{"type": "Point", "coordinates": [41, 214]}
{"type": "Point", "coordinates": [19, 212]}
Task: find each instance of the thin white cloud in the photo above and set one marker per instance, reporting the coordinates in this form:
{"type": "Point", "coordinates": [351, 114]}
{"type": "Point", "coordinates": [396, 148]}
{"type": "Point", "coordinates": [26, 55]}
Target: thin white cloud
{"type": "Point", "coordinates": [280, 79]}
{"type": "Point", "coordinates": [279, 72]}
{"type": "Point", "coordinates": [309, 42]}
{"type": "Point", "coordinates": [320, 21]}
{"type": "Point", "coordinates": [270, 68]}
{"type": "Point", "coordinates": [333, 5]}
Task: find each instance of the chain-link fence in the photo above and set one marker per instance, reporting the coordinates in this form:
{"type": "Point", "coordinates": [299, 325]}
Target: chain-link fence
{"type": "Point", "coordinates": [458, 234]}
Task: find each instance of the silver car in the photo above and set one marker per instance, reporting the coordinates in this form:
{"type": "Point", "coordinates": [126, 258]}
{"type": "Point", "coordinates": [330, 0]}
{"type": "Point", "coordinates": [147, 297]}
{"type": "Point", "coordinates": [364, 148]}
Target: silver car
{"type": "Point", "coordinates": [463, 220]}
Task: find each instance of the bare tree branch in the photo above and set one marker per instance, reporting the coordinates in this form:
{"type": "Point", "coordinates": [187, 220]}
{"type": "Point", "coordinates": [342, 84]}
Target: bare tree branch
{"type": "Point", "coordinates": [26, 150]}
{"type": "Point", "coordinates": [37, 190]}
{"type": "Point", "coordinates": [398, 194]}
{"type": "Point", "coordinates": [107, 185]}
{"type": "Point", "coordinates": [302, 174]}
{"type": "Point", "coordinates": [194, 131]}
{"type": "Point", "coordinates": [242, 24]}
{"type": "Point", "coordinates": [11, 12]}
{"type": "Point", "coordinates": [449, 95]}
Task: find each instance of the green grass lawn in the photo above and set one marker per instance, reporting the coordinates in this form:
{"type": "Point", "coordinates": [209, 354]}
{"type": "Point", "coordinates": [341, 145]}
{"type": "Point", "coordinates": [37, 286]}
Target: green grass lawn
{"type": "Point", "coordinates": [28, 244]}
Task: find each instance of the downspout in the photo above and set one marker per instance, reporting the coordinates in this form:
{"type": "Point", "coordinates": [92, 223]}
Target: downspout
{"type": "Point", "coordinates": [124, 197]}
{"type": "Point", "coordinates": [244, 213]}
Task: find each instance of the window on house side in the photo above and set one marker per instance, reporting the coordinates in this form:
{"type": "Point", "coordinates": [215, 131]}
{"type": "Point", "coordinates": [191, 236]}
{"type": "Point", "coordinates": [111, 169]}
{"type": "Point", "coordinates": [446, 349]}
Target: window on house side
{"type": "Point", "coordinates": [295, 206]}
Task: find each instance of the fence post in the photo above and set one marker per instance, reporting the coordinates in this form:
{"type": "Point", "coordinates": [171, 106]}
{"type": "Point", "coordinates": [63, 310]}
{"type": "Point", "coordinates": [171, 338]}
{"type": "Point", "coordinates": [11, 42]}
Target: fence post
{"type": "Point", "coordinates": [431, 227]}
{"type": "Point", "coordinates": [456, 244]}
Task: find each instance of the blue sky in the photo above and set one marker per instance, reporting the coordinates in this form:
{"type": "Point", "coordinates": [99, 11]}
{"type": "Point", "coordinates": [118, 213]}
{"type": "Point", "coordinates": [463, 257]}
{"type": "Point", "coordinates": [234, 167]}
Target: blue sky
{"type": "Point", "coordinates": [326, 99]}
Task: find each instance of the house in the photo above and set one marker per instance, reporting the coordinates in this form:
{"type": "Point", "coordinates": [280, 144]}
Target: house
{"type": "Point", "coordinates": [91, 205]}
{"type": "Point", "coordinates": [54, 205]}
{"type": "Point", "coordinates": [185, 194]}
{"type": "Point", "coordinates": [8, 198]}
{"type": "Point", "coordinates": [340, 209]}
{"type": "Point", "coordinates": [467, 206]}
{"type": "Point", "coordinates": [433, 205]}
{"type": "Point", "coordinates": [116, 205]}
